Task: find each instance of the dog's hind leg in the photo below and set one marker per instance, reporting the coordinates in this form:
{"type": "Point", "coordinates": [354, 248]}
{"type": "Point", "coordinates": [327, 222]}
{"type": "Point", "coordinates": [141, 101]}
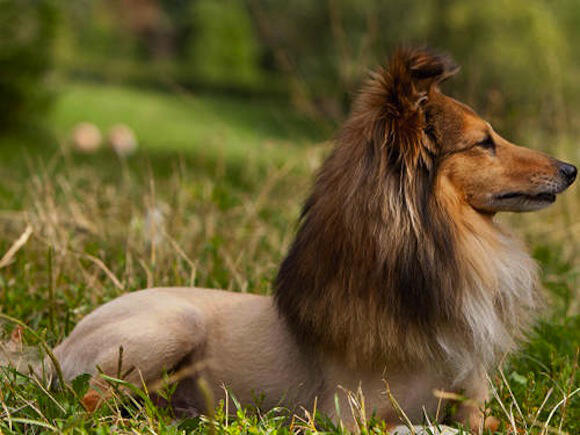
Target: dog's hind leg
{"type": "Point", "coordinates": [139, 346]}
{"type": "Point", "coordinates": [147, 361]}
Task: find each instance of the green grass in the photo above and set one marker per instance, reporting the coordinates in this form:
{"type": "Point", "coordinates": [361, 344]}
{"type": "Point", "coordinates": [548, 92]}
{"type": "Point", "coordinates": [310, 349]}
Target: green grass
{"type": "Point", "coordinates": [228, 218]}
{"type": "Point", "coordinates": [214, 126]}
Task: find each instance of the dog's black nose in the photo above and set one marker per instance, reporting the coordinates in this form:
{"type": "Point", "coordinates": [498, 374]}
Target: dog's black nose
{"type": "Point", "coordinates": [569, 172]}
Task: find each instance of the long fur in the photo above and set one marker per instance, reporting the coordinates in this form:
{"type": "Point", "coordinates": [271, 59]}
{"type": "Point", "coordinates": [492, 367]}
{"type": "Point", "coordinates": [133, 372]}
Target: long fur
{"type": "Point", "coordinates": [388, 264]}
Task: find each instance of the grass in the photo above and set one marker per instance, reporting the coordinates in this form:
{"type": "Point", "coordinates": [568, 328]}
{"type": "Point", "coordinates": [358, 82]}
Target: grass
{"type": "Point", "coordinates": [180, 213]}
{"type": "Point", "coordinates": [238, 129]}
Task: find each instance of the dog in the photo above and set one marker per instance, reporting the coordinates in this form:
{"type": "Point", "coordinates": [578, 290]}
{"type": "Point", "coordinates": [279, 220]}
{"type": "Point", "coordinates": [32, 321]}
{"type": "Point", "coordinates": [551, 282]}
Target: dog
{"type": "Point", "coordinates": [398, 276]}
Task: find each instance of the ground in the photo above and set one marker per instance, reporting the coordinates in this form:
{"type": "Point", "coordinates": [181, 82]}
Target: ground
{"type": "Point", "coordinates": [211, 199]}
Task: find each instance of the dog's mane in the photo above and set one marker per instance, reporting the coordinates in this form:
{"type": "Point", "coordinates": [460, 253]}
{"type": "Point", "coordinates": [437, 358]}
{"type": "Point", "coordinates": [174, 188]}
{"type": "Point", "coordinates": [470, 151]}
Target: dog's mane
{"type": "Point", "coordinates": [384, 267]}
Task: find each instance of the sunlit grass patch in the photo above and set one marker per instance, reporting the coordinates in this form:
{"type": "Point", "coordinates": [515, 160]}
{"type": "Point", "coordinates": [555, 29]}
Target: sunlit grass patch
{"type": "Point", "coordinates": [189, 123]}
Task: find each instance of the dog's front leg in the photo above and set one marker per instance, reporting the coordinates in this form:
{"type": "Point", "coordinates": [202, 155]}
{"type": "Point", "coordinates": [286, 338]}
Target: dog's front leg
{"type": "Point", "coordinates": [472, 412]}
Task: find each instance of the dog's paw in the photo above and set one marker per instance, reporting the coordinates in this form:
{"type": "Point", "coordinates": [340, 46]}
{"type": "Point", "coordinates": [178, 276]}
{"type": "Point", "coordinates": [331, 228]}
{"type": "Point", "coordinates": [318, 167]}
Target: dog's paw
{"type": "Point", "coordinates": [91, 400]}
{"type": "Point", "coordinates": [479, 422]}
{"type": "Point", "coordinates": [491, 424]}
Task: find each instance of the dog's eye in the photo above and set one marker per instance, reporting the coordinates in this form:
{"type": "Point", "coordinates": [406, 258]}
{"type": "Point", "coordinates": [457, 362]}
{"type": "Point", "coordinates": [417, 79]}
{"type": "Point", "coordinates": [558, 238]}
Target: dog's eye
{"type": "Point", "coordinates": [487, 143]}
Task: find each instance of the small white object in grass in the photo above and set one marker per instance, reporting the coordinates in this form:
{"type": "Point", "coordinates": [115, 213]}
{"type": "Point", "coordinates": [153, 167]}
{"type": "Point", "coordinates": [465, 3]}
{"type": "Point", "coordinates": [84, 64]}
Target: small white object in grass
{"type": "Point", "coordinates": [86, 137]}
{"type": "Point", "coordinates": [154, 230]}
{"type": "Point", "coordinates": [122, 139]}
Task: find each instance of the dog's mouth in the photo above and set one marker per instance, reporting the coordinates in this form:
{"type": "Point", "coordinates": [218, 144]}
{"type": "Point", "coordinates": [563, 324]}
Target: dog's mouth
{"type": "Point", "coordinates": [522, 201]}
{"type": "Point", "coordinates": [542, 197]}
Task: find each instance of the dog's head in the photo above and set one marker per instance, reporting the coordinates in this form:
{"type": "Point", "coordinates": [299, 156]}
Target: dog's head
{"type": "Point", "coordinates": [489, 172]}
{"type": "Point", "coordinates": [436, 132]}
{"type": "Point", "coordinates": [396, 254]}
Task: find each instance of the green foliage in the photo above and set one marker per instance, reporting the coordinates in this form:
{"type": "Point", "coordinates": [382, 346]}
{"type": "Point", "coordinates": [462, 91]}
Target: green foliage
{"type": "Point", "coordinates": [223, 47]}
{"type": "Point", "coordinates": [517, 57]}
{"type": "Point", "coordinates": [560, 278]}
{"type": "Point", "coordinates": [96, 33]}
{"type": "Point", "coordinates": [27, 31]}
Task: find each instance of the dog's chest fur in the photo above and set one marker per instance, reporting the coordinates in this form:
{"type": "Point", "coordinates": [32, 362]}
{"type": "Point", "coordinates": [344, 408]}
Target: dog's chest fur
{"type": "Point", "coordinates": [499, 303]}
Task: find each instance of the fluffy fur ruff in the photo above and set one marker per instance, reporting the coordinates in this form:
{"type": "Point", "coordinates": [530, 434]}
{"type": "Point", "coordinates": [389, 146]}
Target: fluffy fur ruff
{"type": "Point", "coordinates": [389, 263]}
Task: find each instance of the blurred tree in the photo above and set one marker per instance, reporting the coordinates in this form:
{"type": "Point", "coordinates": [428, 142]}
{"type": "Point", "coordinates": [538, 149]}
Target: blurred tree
{"type": "Point", "coordinates": [520, 58]}
{"type": "Point", "coordinates": [149, 24]}
{"type": "Point", "coordinates": [515, 53]}
{"type": "Point", "coordinates": [178, 13]}
{"type": "Point", "coordinates": [223, 47]}
{"type": "Point", "coordinates": [326, 47]}
{"type": "Point", "coordinates": [27, 31]}
{"type": "Point", "coordinates": [199, 43]}
{"type": "Point", "coordinates": [97, 42]}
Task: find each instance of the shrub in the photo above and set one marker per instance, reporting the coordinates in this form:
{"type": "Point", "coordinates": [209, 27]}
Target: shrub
{"type": "Point", "coordinates": [27, 31]}
{"type": "Point", "coordinates": [223, 48]}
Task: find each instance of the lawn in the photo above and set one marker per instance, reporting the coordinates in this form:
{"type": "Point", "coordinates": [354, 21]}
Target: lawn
{"type": "Point", "coordinates": [185, 122]}
{"type": "Point", "coordinates": [210, 199]}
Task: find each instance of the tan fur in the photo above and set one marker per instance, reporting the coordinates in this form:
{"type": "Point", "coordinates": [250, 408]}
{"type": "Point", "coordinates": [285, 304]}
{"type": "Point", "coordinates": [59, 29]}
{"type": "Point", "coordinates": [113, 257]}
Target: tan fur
{"type": "Point", "coordinates": [398, 273]}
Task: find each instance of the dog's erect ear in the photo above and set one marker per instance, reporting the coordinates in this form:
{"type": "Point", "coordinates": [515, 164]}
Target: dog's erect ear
{"type": "Point", "coordinates": [389, 110]}
{"type": "Point", "coordinates": [417, 71]}
{"type": "Point", "coordinates": [428, 69]}
{"type": "Point", "coordinates": [397, 95]}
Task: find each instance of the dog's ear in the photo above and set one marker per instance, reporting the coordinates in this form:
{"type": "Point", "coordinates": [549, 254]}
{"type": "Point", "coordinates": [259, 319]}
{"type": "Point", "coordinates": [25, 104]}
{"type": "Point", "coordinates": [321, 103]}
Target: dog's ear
{"type": "Point", "coordinates": [388, 113]}
{"type": "Point", "coordinates": [417, 71]}
{"type": "Point", "coordinates": [398, 94]}
{"type": "Point", "coordinates": [428, 69]}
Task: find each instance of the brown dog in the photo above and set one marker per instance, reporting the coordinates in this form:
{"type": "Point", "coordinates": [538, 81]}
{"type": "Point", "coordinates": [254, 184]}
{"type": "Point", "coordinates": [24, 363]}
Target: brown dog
{"type": "Point", "coordinates": [398, 274]}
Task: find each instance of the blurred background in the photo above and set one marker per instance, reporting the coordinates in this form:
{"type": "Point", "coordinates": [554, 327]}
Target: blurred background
{"type": "Point", "coordinates": [520, 58]}
{"type": "Point", "coordinates": [172, 142]}
{"type": "Point", "coordinates": [125, 122]}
